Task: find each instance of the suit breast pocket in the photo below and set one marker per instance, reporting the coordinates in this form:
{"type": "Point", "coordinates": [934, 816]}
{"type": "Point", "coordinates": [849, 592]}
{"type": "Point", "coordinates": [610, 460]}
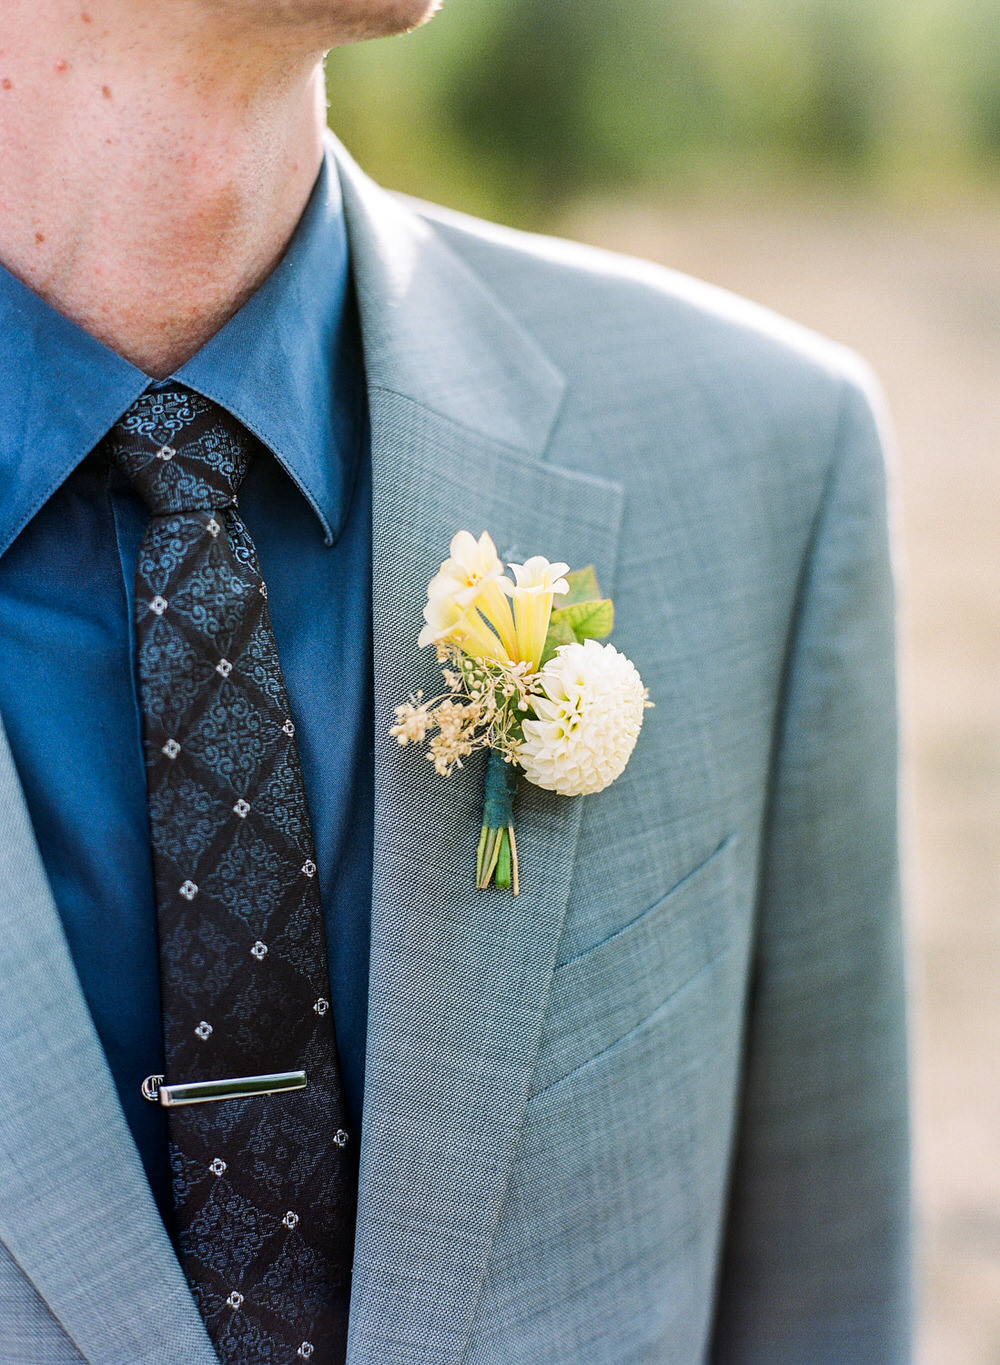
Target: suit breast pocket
{"type": "Point", "coordinates": [603, 994]}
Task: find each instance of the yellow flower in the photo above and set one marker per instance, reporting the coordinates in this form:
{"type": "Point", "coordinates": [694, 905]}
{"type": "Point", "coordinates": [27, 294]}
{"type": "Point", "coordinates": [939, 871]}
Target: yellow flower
{"type": "Point", "coordinates": [468, 591]}
{"type": "Point", "coordinates": [449, 624]}
{"type": "Point", "coordinates": [471, 563]}
{"type": "Point", "coordinates": [537, 581]}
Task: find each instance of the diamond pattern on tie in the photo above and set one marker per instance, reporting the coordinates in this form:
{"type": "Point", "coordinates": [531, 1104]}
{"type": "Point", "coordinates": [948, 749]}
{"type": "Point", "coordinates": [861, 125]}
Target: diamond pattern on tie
{"type": "Point", "coordinates": [243, 963]}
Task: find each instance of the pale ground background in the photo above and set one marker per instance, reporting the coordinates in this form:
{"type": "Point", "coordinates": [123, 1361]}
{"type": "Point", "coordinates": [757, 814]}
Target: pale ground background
{"type": "Point", "coordinates": [918, 293]}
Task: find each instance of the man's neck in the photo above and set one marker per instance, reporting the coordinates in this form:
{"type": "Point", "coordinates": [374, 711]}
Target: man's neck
{"type": "Point", "coordinates": [159, 189]}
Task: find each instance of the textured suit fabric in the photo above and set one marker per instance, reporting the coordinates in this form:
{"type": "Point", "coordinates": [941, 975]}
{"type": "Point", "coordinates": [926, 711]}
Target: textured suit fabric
{"type": "Point", "coordinates": [653, 1112]}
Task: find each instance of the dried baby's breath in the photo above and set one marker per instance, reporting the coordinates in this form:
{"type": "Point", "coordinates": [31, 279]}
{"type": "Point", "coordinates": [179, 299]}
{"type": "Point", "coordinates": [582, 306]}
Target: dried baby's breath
{"type": "Point", "coordinates": [482, 708]}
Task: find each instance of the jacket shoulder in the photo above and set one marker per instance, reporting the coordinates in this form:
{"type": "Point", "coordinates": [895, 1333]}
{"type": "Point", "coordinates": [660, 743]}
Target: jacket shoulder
{"type": "Point", "coordinates": [713, 396]}
{"type": "Point", "coordinates": [587, 305]}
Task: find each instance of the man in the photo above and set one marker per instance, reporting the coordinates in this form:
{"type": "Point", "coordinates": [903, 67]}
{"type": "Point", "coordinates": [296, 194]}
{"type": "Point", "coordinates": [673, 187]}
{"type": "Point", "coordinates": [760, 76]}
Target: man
{"type": "Point", "coordinates": [651, 1111]}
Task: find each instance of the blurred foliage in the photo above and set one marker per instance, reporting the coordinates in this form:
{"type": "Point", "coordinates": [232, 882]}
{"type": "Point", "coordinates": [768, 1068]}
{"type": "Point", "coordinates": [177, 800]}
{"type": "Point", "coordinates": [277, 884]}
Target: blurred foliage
{"type": "Point", "coordinates": [514, 108]}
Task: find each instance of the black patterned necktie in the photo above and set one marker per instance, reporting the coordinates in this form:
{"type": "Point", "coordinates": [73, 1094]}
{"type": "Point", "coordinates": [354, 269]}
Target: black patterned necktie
{"type": "Point", "coordinates": [264, 1183]}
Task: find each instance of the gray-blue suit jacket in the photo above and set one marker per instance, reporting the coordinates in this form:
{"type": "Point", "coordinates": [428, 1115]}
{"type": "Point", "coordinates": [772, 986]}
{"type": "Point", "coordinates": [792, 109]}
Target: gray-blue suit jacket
{"type": "Point", "coordinates": [653, 1111]}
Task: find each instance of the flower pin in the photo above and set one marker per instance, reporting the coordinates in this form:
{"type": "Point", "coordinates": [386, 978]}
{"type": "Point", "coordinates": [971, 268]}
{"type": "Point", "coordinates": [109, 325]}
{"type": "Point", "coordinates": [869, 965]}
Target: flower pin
{"type": "Point", "coordinates": [526, 680]}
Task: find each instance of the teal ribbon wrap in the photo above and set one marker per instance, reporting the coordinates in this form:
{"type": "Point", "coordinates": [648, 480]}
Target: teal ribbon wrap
{"type": "Point", "coordinates": [498, 792]}
{"type": "Point", "coordinates": [496, 857]}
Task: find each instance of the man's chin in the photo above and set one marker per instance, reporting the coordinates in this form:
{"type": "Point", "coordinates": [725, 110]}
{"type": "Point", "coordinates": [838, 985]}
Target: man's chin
{"type": "Point", "coordinates": [347, 21]}
{"type": "Point", "coordinates": [378, 18]}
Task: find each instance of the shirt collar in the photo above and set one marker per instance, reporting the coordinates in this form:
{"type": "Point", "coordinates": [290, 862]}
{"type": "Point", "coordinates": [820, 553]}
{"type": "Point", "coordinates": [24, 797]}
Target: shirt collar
{"type": "Point", "coordinates": [287, 365]}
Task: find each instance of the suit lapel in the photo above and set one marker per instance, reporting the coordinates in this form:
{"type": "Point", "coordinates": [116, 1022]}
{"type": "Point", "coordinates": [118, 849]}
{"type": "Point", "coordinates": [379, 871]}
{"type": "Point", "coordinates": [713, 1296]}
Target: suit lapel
{"type": "Point", "coordinates": [462, 405]}
{"type": "Point", "coordinates": [76, 1214]}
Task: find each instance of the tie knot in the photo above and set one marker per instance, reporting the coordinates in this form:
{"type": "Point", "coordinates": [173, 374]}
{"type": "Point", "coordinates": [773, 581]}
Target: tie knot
{"type": "Point", "coordinates": [182, 452]}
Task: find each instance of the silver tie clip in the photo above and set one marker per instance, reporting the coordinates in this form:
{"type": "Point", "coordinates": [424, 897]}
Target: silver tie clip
{"type": "Point", "coordinates": [239, 1088]}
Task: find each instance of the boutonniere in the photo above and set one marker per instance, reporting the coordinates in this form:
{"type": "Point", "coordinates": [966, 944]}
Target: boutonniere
{"type": "Point", "coordinates": [526, 680]}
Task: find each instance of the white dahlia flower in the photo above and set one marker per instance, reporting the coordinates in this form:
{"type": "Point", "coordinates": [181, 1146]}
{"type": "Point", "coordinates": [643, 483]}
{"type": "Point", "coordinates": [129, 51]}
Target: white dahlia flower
{"type": "Point", "coordinates": [588, 719]}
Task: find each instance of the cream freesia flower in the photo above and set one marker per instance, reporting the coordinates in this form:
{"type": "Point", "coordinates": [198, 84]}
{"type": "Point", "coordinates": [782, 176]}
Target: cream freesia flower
{"type": "Point", "coordinates": [446, 623]}
{"type": "Point", "coordinates": [587, 719]}
{"type": "Point", "coordinates": [470, 579]}
{"type": "Point", "coordinates": [470, 562]}
{"type": "Point", "coordinates": [536, 582]}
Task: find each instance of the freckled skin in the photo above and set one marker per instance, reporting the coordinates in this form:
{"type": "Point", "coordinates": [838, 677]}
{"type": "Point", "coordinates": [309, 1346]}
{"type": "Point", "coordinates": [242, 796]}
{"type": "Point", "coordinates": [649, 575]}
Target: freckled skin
{"type": "Point", "coordinates": [157, 157]}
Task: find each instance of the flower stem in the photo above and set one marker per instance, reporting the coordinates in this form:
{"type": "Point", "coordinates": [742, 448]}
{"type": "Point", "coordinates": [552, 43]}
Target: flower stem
{"type": "Point", "coordinates": [496, 856]}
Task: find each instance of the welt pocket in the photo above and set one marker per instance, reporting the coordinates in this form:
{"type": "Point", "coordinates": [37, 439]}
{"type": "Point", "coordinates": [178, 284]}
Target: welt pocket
{"type": "Point", "coordinates": [603, 993]}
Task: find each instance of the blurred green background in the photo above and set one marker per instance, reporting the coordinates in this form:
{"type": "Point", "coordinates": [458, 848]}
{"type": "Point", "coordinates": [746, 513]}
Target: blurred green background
{"type": "Point", "coordinates": [838, 160]}
{"type": "Point", "coordinates": [513, 107]}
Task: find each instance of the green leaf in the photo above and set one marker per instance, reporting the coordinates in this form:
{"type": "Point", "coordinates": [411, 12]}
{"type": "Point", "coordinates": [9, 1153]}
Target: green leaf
{"type": "Point", "coordinates": [587, 620]}
{"type": "Point", "coordinates": [582, 587]}
{"type": "Point", "coordinates": [559, 633]}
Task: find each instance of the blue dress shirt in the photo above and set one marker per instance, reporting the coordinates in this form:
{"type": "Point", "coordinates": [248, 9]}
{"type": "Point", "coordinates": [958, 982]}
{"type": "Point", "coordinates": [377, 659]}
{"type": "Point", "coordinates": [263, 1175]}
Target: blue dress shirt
{"type": "Point", "coordinates": [288, 365]}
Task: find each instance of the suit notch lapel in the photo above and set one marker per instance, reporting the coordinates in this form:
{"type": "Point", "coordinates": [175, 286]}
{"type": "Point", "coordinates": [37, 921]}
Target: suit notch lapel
{"type": "Point", "coordinates": [459, 977]}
